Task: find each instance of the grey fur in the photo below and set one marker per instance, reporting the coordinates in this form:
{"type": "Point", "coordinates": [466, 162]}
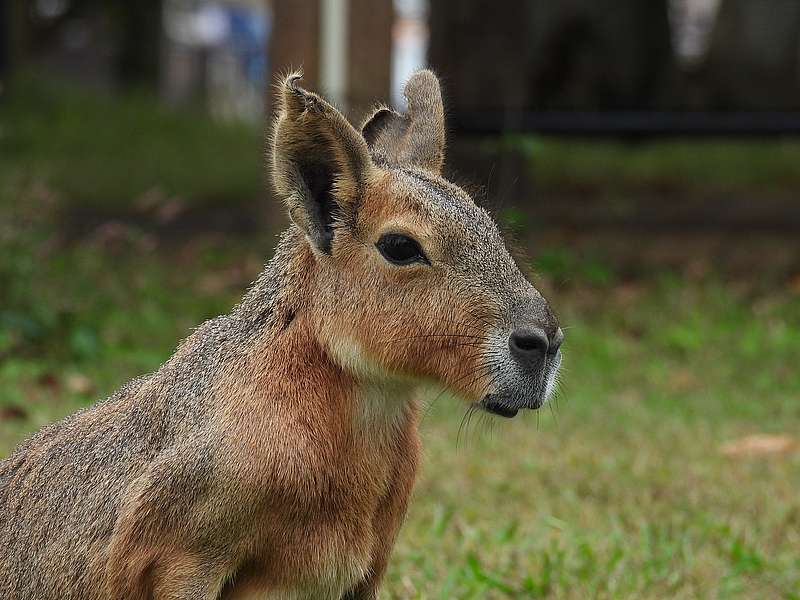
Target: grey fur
{"type": "Point", "coordinates": [60, 491]}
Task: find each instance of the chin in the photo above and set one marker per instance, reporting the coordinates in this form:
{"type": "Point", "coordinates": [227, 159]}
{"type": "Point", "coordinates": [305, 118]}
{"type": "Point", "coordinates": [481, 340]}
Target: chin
{"type": "Point", "coordinates": [507, 401]}
{"type": "Point", "coordinates": [508, 406]}
{"type": "Point", "coordinates": [499, 406]}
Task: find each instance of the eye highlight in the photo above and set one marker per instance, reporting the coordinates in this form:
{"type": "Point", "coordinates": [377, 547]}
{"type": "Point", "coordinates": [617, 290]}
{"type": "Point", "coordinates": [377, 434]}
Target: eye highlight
{"type": "Point", "coordinates": [400, 249]}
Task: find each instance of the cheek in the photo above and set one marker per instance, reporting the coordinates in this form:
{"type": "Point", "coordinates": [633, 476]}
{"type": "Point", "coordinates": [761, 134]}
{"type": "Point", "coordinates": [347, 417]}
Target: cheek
{"type": "Point", "coordinates": [453, 350]}
{"type": "Point", "coordinates": [425, 333]}
{"type": "Point", "coordinates": [361, 310]}
{"type": "Point", "coordinates": [404, 322]}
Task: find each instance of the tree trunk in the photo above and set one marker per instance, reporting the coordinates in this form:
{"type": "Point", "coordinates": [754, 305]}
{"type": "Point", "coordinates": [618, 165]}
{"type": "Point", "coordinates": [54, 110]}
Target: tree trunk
{"type": "Point", "coordinates": [5, 43]}
{"type": "Point", "coordinates": [139, 42]}
{"type": "Point", "coordinates": [13, 38]}
{"type": "Point", "coordinates": [369, 55]}
{"type": "Point", "coordinates": [754, 58]}
{"type": "Point", "coordinates": [572, 54]}
{"type": "Point", "coordinates": [294, 42]}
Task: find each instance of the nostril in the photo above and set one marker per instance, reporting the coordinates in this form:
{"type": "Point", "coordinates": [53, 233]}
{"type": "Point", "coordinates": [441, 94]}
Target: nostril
{"type": "Point", "coordinates": [528, 342]}
{"type": "Point", "coordinates": [556, 341]}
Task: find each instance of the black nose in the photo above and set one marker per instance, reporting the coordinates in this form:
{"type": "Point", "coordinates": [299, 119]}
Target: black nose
{"type": "Point", "coordinates": [531, 344]}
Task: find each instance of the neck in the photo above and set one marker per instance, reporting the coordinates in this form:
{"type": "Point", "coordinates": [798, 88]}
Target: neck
{"type": "Point", "coordinates": [280, 291]}
{"type": "Point", "coordinates": [326, 376]}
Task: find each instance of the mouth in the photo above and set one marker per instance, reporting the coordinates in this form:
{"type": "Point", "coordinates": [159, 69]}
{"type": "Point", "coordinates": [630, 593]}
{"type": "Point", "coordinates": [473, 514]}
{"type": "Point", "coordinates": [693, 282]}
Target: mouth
{"type": "Point", "coordinates": [507, 407]}
{"type": "Point", "coordinates": [495, 406]}
{"type": "Point", "coordinates": [509, 399]}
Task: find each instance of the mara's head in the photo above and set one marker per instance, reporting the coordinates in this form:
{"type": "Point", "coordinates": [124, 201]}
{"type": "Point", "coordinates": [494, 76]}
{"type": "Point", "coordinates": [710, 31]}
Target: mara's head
{"type": "Point", "coordinates": [410, 277]}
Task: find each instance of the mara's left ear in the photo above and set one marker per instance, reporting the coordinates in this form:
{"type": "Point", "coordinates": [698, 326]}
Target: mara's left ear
{"type": "Point", "coordinates": [414, 139]}
{"type": "Point", "coordinates": [320, 162]}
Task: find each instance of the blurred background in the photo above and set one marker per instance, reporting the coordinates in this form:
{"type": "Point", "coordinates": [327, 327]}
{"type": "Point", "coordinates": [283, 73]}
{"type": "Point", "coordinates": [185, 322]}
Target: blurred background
{"type": "Point", "coordinates": [643, 155]}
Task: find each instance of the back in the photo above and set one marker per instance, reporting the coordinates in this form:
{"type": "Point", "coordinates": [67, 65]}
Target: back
{"type": "Point", "coordinates": [48, 521]}
{"type": "Point", "coordinates": [61, 491]}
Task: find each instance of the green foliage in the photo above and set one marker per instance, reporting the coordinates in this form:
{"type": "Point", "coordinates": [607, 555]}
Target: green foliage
{"type": "Point", "coordinates": [623, 495]}
{"type": "Point", "coordinates": [685, 165]}
{"type": "Point", "coordinates": [104, 152]}
{"type": "Point", "coordinates": [565, 266]}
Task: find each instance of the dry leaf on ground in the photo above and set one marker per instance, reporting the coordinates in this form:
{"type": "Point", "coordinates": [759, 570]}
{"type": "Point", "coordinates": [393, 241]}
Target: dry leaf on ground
{"type": "Point", "coordinates": [760, 444]}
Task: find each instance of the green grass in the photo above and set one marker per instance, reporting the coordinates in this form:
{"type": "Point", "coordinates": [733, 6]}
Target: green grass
{"type": "Point", "coordinates": [105, 152]}
{"type": "Point", "coordinates": [685, 165]}
{"type": "Point", "coordinates": [622, 491]}
{"type": "Point", "coordinates": [619, 491]}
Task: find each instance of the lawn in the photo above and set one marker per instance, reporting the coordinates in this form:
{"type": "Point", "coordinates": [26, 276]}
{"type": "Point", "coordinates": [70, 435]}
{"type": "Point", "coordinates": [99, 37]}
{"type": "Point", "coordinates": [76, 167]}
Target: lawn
{"type": "Point", "coordinates": [634, 483]}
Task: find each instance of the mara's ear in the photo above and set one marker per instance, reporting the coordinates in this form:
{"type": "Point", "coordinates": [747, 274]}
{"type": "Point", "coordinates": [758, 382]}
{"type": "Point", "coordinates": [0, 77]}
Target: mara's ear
{"type": "Point", "coordinates": [413, 139]}
{"type": "Point", "coordinates": [319, 162]}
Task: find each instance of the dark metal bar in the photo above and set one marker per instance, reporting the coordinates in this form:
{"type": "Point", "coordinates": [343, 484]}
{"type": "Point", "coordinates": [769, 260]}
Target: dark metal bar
{"type": "Point", "coordinates": [633, 123]}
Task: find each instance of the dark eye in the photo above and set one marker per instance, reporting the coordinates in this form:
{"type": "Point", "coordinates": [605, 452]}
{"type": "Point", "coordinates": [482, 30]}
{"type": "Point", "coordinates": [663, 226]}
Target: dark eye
{"type": "Point", "coordinates": [400, 249]}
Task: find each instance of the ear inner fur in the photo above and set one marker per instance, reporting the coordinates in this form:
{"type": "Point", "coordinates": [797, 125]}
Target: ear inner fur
{"type": "Point", "coordinates": [380, 125]}
{"type": "Point", "coordinates": [320, 162]}
{"type": "Point", "coordinates": [415, 139]}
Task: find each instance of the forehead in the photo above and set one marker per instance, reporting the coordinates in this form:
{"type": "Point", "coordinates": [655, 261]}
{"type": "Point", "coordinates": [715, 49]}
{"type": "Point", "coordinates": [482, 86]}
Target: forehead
{"type": "Point", "coordinates": [448, 219]}
{"type": "Point", "coordinates": [461, 229]}
{"type": "Point", "coordinates": [442, 206]}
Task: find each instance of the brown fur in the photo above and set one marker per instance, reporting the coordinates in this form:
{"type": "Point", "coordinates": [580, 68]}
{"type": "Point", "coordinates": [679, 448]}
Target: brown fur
{"type": "Point", "coordinates": [274, 454]}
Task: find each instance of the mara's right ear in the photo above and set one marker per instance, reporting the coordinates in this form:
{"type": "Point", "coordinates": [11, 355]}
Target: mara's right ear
{"type": "Point", "coordinates": [319, 162]}
{"type": "Point", "coordinates": [414, 139]}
